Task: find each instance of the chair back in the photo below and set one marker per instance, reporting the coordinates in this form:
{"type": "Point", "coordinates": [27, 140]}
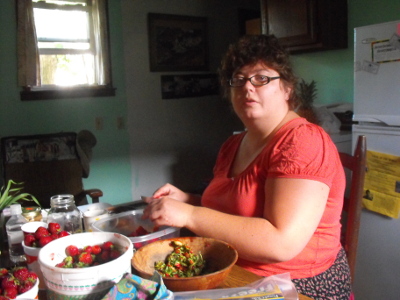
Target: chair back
{"type": "Point", "coordinates": [356, 164]}
{"type": "Point", "coordinates": [47, 164]}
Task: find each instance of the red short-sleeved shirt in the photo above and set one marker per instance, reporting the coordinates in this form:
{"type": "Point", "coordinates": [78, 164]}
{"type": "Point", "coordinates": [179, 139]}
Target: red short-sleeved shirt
{"type": "Point", "coordinates": [298, 150]}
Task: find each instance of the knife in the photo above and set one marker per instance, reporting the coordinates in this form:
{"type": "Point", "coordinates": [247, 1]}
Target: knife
{"type": "Point", "coordinates": [146, 198]}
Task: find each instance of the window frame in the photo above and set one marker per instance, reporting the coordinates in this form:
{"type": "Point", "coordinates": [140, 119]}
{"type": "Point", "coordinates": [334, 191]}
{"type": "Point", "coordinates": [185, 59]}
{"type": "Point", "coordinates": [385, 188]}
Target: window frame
{"type": "Point", "coordinates": [48, 92]}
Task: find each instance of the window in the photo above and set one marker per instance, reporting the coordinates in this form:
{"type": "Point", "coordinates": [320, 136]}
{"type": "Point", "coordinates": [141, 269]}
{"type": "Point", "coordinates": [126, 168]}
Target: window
{"type": "Point", "coordinates": [63, 49]}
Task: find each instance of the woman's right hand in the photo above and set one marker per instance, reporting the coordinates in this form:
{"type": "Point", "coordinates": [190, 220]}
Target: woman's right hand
{"type": "Point", "coordinates": [167, 211]}
{"type": "Point", "coordinates": [172, 192]}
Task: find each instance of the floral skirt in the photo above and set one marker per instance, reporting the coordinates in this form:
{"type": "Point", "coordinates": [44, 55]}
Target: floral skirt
{"type": "Point", "coordinates": [333, 284]}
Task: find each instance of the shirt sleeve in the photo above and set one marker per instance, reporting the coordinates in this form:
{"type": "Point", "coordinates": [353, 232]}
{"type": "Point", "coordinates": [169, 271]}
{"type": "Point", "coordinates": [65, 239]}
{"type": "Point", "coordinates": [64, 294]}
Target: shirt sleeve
{"type": "Point", "coordinates": [304, 152]}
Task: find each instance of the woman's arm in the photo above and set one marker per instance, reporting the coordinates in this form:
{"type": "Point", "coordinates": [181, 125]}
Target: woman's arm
{"type": "Point", "coordinates": [293, 209]}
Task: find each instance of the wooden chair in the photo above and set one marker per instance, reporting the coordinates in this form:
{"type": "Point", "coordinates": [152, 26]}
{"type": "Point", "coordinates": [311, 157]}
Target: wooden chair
{"type": "Point", "coordinates": [356, 164]}
{"type": "Point", "coordinates": [48, 165]}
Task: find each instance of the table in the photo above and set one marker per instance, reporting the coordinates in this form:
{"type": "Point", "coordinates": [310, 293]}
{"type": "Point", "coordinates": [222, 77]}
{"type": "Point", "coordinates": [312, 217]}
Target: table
{"type": "Point", "coordinates": [239, 277]}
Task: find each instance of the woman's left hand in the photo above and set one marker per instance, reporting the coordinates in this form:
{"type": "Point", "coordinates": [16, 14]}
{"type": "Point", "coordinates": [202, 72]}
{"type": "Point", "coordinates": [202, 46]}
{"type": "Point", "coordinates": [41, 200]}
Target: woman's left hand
{"type": "Point", "coordinates": [166, 211]}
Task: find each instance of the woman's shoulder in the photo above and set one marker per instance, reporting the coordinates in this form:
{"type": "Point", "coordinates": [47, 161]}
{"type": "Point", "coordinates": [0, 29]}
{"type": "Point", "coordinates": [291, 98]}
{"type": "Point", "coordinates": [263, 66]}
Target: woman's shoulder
{"type": "Point", "coordinates": [304, 148]}
{"type": "Point", "coordinates": [300, 128]}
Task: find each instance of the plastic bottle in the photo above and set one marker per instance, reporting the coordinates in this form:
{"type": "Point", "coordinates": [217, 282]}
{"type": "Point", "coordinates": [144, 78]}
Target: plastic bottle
{"type": "Point", "coordinates": [64, 212]}
{"type": "Point", "coordinates": [15, 235]}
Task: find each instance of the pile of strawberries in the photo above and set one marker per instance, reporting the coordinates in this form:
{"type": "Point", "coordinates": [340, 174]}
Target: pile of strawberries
{"type": "Point", "coordinates": [15, 281]}
{"type": "Point", "coordinates": [43, 235]}
{"type": "Point", "coordinates": [139, 232]}
{"type": "Point", "coordinates": [89, 256]}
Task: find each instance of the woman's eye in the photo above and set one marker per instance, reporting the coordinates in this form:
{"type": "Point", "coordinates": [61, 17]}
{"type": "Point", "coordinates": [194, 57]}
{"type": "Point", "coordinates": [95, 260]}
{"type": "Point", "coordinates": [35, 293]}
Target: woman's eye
{"type": "Point", "coordinates": [262, 77]}
{"type": "Point", "coordinates": [239, 79]}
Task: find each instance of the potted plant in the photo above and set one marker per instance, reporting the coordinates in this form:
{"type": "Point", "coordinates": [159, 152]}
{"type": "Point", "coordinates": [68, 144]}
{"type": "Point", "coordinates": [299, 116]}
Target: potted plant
{"type": "Point", "coordinates": [307, 93]}
{"type": "Point", "coordinates": [11, 194]}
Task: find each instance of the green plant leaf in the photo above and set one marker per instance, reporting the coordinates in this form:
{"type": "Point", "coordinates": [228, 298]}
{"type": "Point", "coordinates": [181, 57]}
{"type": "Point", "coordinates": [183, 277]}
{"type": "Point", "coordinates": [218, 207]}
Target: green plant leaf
{"type": "Point", "coordinates": [11, 194]}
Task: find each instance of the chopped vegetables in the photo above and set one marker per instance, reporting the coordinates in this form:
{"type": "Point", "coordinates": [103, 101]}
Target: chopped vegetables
{"type": "Point", "coordinates": [181, 262]}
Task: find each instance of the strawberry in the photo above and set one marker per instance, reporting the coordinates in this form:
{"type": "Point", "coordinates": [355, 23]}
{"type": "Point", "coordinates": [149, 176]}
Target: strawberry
{"type": "Point", "coordinates": [108, 245]}
{"type": "Point", "coordinates": [104, 256]}
{"type": "Point", "coordinates": [32, 277]}
{"type": "Point", "coordinates": [114, 253]}
{"type": "Point", "coordinates": [20, 273]}
{"type": "Point", "coordinates": [25, 286]}
{"type": "Point", "coordinates": [4, 298]}
{"type": "Point", "coordinates": [137, 245]}
{"type": "Point", "coordinates": [61, 265]}
{"type": "Point", "coordinates": [85, 258]}
{"type": "Point", "coordinates": [141, 231]}
{"type": "Point", "coordinates": [41, 232]}
{"type": "Point", "coordinates": [72, 250]}
{"type": "Point", "coordinates": [44, 240]}
{"type": "Point", "coordinates": [3, 272]}
{"type": "Point", "coordinates": [88, 249]}
{"type": "Point", "coordinates": [30, 240]}
{"type": "Point", "coordinates": [8, 281]}
{"type": "Point", "coordinates": [96, 249]}
{"type": "Point", "coordinates": [11, 292]}
{"type": "Point", "coordinates": [62, 233]}
{"type": "Point", "coordinates": [66, 263]}
{"type": "Point", "coordinates": [54, 228]}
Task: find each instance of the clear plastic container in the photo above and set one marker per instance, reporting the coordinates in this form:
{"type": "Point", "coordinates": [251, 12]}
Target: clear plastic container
{"type": "Point", "coordinates": [129, 223]}
{"type": "Point", "coordinates": [15, 235]}
{"type": "Point", "coordinates": [64, 212]}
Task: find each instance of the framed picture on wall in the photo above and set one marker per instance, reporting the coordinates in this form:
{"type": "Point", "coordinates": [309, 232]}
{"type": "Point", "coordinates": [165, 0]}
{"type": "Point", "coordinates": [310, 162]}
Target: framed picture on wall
{"type": "Point", "coordinates": [177, 43]}
{"type": "Point", "coordinates": [189, 86]}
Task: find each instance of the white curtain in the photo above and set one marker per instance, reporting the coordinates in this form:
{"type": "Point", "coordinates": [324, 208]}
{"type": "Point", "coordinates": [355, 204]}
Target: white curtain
{"type": "Point", "coordinates": [28, 53]}
{"type": "Point", "coordinates": [100, 32]}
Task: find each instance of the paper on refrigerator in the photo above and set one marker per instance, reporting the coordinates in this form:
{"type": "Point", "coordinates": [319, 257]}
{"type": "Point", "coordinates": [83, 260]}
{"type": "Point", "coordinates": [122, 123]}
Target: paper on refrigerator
{"type": "Point", "coordinates": [382, 184]}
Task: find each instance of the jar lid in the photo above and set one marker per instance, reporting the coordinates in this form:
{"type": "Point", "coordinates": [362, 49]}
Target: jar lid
{"type": "Point", "coordinates": [31, 211]}
{"type": "Point", "coordinates": [61, 199]}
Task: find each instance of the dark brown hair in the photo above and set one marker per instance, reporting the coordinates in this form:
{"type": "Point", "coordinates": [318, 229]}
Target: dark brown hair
{"type": "Point", "coordinates": [252, 49]}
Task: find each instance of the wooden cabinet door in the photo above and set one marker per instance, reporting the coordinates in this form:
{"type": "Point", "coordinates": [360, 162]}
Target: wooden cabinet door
{"type": "Point", "coordinates": [292, 21]}
{"type": "Point", "coordinates": [306, 25]}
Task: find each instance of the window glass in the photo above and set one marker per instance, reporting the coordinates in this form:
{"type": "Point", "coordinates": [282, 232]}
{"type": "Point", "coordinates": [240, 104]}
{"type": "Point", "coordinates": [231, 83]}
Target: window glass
{"type": "Point", "coordinates": [67, 70]}
{"type": "Point", "coordinates": [56, 24]}
{"type": "Point", "coordinates": [63, 45]}
{"type": "Point", "coordinates": [70, 43]}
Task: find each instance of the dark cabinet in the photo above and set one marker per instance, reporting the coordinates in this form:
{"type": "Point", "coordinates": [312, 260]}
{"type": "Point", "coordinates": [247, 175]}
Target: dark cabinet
{"type": "Point", "coordinates": [306, 25]}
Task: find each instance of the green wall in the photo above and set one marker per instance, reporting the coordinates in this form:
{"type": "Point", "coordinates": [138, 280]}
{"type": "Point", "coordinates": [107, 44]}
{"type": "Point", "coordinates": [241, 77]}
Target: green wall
{"type": "Point", "coordinates": [110, 168]}
{"type": "Point", "coordinates": [333, 70]}
{"type": "Point", "coordinates": [111, 165]}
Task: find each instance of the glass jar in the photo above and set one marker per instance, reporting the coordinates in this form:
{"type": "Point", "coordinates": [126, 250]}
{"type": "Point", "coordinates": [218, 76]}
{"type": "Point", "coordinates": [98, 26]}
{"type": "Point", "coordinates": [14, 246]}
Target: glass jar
{"type": "Point", "coordinates": [32, 213]}
{"type": "Point", "coordinates": [64, 212]}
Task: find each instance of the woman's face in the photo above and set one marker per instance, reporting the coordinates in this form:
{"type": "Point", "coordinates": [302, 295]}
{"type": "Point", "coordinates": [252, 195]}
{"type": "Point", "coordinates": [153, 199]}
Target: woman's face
{"type": "Point", "coordinates": [259, 102]}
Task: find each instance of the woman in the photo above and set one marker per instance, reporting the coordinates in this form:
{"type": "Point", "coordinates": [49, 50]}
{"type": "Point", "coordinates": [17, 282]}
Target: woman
{"type": "Point", "coordinates": [277, 191]}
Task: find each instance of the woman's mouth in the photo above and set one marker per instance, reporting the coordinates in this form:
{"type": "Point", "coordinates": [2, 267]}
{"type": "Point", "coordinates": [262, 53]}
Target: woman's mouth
{"type": "Point", "coordinates": [250, 101]}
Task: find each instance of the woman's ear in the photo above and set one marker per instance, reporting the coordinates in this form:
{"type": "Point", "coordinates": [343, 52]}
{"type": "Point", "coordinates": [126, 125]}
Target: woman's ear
{"type": "Point", "coordinates": [288, 92]}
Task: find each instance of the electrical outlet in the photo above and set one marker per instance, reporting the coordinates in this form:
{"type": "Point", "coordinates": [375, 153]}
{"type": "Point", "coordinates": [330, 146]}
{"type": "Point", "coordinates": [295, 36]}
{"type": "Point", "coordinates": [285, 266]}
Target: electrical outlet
{"type": "Point", "coordinates": [99, 123]}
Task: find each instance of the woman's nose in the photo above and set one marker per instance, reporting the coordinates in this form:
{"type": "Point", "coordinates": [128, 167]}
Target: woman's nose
{"type": "Point", "coordinates": [248, 85]}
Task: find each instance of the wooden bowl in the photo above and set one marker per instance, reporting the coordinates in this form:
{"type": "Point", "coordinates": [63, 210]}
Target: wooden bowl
{"type": "Point", "coordinates": [219, 256]}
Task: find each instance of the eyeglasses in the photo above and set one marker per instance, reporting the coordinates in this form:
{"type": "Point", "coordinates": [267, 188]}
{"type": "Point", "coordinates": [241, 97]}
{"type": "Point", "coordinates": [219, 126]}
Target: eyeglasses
{"type": "Point", "coordinates": [256, 80]}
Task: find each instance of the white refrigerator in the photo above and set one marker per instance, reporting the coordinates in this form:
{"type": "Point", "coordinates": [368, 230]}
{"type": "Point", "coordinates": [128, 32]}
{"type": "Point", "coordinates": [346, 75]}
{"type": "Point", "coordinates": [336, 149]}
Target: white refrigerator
{"type": "Point", "coordinates": [377, 110]}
